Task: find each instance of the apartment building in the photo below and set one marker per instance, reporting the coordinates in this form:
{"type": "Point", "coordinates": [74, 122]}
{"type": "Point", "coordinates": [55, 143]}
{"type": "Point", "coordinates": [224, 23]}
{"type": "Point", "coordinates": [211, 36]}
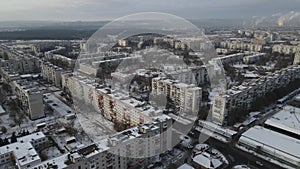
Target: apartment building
{"type": "Point", "coordinates": [19, 62]}
{"type": "Point", "coordinates": [243, 96]}
{"type": "Point", "coordinates": [241, 46]}
{"type": "Point", "coordinates": [137, 146]}
{"type": "Point", "coordinates": [8, 75]}
{"type": "Point", "coordinates": [51, 73]}
{"type": "Point", "coordinates": [30, 95]}
{"type": "Point", "coordinates": [187, 97]}
{"type": "Point", "coordinates": [286, 49]}
{"type": "Point", "coordinates": [253, 58]}
{"type": "Point", "coordinates": [115, 106]}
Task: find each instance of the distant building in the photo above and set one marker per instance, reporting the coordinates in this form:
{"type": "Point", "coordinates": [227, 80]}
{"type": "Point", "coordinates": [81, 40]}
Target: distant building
{"type": "Point", "coordinates": [253, 58]}
{"type": "Point", "coordinates": [19, 63]}
{"type": "Point", "coordinates": [286, 49]}
{"type": "Point", "coordinates": [231, 59]}
{"type": "Point", "coordinates": [123, 43]}
{"type": "Point", "coordinates": [241, 46]}
{"type": "Point", "coordinates": [51, 73]}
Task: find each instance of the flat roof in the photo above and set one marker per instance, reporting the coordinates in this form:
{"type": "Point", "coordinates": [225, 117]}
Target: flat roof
{"type": "Point", "coordinates": [58, 161]}
{"type": "Point", "coordinates": [57, 104]}
{"type": "Point", "coordinates": [274, 141]}
{"type": "Point", "coordinates": [31, 137]}
{"type": "Point", "coordinates": [23, 152]}
{"type": "Point", "coordinates": [286, 120]}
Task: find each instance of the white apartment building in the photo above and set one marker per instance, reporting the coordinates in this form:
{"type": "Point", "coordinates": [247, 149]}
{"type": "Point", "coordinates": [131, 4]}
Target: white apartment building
{"type": "Point", "coordinates": [219, 109]}
{"type": "Point", "coordinates": [243, 96]}
{"type": "Point", "coordinates": [253, 58]}
{"type": "Point", "coordinates": [30, 95]}
{"type": "Point", "coordinates": [19, 62]}
{"type": "Point", "coordinates": [121, 150]}
{"type": "Point", "coordinates": [286, 49]}
{"type": "Point", "coordinates": [116, 107]}
{"type": "Point", "coordinates": [241, 46]}
{"type": "Point", "coordinates": [187, 97]}
{"type": "Point", "coordinates": [51, 73]}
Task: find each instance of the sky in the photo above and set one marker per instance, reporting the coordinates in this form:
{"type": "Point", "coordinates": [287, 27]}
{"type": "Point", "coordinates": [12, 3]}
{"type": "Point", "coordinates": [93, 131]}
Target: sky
{"type": "Point", "coordinates": [90, 10]}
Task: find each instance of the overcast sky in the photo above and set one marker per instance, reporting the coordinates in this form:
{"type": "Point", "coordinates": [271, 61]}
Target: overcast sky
{"type": "Point", "coordinates": [73, 10]}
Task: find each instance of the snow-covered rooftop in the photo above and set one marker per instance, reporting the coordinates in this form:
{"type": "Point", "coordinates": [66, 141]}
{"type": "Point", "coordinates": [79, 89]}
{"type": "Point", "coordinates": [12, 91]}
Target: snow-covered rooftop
{"type": "Point", "coordinates": [185, 166]}
{"type": "Point", "coordinates": [57, 104]}
{"type": "Point", "coordinates": [206, 161]}
{"type": "Point", "coordinates": [58, 161]}
{"type": "Point", "coordinates": [31, 137]}
{"type": "Point", "coordinates": [273, 141]}
{"type": "Point", "coordinates": [287, 119]}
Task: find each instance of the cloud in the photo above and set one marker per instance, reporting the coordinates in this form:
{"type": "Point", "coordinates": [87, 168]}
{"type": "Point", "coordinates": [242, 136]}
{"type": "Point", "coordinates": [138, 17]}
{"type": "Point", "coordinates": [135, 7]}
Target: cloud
{"type": "Point", "coordinates": [97, 9]}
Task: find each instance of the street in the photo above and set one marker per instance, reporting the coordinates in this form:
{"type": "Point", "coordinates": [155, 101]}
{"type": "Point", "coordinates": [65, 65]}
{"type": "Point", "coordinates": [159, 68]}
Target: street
{"type": "Point", "coordinates": [237, 157]}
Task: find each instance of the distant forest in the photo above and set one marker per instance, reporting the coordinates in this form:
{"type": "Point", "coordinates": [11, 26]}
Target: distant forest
{"type": "Point", "coordinates": [44, 30]}
{"type": "Point", "coordinates": [51, 34]}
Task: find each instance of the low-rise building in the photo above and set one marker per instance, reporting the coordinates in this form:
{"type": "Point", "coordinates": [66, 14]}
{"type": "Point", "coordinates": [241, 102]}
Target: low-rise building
{"type": "Point", "coordinates": [277, 146]}
{"type": "Point", "coordinates": [286, 121]}
{"type": "Point", "coordinates": [24, 152]}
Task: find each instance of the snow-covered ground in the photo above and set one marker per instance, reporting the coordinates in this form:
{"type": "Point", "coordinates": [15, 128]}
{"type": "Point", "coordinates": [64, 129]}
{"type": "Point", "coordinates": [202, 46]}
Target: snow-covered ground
{"type": "Point", "coordinates": [95, 125]}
